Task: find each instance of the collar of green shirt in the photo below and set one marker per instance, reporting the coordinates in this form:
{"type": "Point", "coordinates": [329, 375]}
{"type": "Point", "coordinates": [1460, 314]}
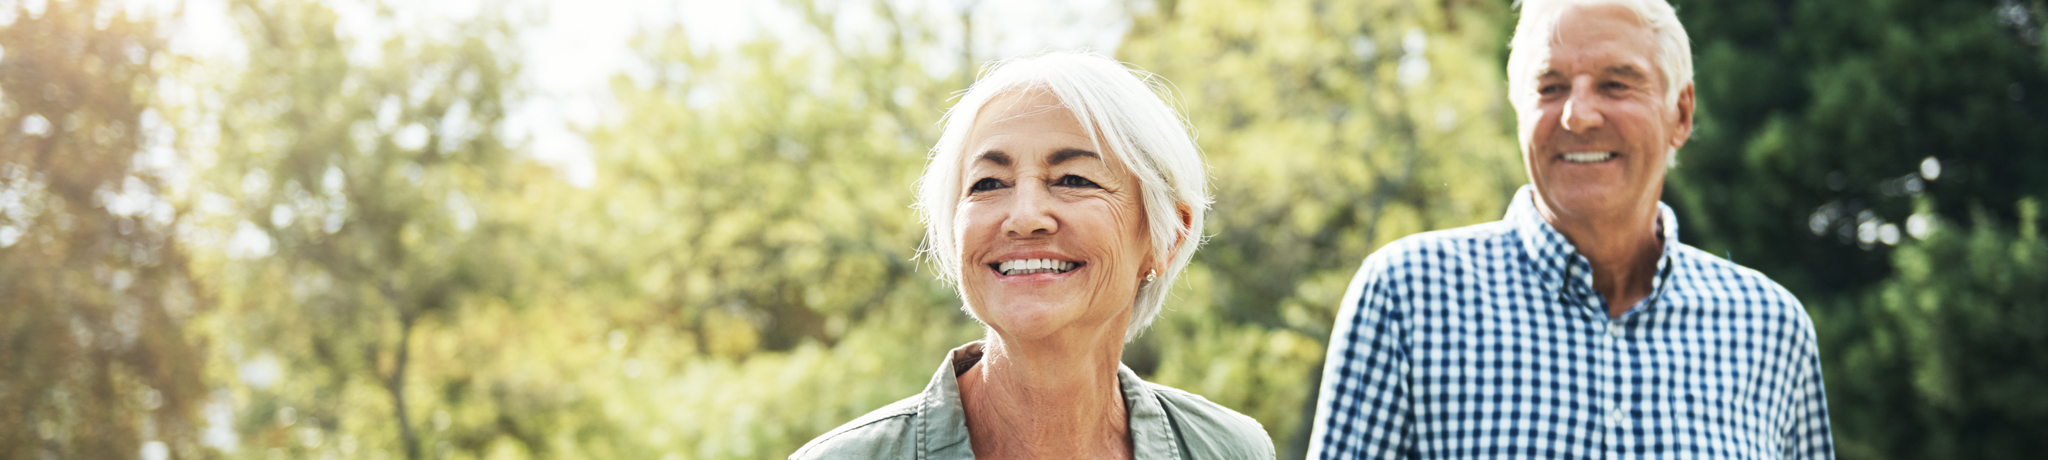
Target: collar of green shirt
{"type": "Point", "coordinates": [942, 430]}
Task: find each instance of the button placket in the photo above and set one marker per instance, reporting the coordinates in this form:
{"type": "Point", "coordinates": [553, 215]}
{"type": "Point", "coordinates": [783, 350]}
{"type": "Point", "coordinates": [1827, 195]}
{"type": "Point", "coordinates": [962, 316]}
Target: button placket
{"type": "Point", "coordinates": [1617, 415]}
{"type": "Point", "coordinates": [1609, 334]}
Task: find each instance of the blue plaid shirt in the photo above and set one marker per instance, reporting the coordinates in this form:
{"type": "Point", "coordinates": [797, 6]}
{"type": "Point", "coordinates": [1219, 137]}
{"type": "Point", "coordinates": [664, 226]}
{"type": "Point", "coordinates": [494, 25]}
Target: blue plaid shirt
{"type": "Point", "coordinates": [1489, 341]}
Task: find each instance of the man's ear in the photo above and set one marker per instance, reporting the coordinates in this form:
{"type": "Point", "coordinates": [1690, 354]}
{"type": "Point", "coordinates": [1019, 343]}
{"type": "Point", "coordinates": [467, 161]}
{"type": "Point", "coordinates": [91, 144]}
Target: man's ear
{"type": "Point", "coordinates": [1685, 118]}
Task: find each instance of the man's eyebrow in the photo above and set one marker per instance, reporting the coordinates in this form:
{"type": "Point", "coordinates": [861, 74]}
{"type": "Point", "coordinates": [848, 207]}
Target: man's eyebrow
{"type": "Point", "coordinates": [1067, 154]}
{"type": "Point", "coordinates": [994, 156]}
{"type": "Point", "coordinates": [1627, 71]}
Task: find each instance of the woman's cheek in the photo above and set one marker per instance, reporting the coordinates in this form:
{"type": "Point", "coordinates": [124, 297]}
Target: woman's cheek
{"type": "Point", "coordinates": [970, 235]}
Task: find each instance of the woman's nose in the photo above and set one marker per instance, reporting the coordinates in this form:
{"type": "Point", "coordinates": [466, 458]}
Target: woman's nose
{"type": "Point", "coordinates": [1031, 212]}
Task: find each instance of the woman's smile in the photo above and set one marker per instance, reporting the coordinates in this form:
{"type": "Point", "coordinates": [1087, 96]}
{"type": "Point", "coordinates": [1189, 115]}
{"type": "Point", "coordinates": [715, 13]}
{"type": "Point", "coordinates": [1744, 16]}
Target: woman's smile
{"type": "Point", "coordinates": [1036, 207]}
{"type": "Point", "coordinates": [1053, 220]}
{"type": "Point", "coordinates": [1027, 269]}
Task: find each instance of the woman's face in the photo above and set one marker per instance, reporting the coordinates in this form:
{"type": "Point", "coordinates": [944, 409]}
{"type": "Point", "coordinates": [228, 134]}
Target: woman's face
{"type": "Point", "coordinates": [1052, 232]}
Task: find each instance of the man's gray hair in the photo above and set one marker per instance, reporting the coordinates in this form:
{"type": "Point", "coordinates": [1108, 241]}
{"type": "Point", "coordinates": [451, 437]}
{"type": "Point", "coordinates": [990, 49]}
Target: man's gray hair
{"type": "Point", "coordinates": [1125, 110]}
{"type": "Point", "coordinates": [1529, 52]}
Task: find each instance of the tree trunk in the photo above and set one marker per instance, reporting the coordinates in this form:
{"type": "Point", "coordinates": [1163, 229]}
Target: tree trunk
{"type": "Point", "coordinates": [396, 385]}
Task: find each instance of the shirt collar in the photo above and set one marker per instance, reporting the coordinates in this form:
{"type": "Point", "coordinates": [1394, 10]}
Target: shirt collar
{"type": "Point", "coordinates": [942, 418]}
{"type": "Point", "coordinates": [1558, 263]}
{"type": "Point", "coordinates": [1152, 433]}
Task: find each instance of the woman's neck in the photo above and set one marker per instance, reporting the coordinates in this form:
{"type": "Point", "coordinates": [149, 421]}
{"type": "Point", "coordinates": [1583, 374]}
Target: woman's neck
{"type": "Point", "coordinates": [1046, 399]}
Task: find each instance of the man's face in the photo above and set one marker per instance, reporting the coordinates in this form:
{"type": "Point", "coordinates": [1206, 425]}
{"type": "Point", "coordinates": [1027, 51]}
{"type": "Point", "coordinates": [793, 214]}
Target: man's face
{"type": "Point", "coordinates": [1596, 139]}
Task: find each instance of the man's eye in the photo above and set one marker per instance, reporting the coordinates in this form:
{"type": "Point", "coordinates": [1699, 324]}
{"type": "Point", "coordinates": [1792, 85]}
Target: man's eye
{"type": "Point", "coordinates": [1616, 86]}
{"type": "Point", "coordinates": [1550, 89]}
{"type": "Point", "coordinates": [1071, 180]}
{"type": "Point", "coordinates": [986, 184]}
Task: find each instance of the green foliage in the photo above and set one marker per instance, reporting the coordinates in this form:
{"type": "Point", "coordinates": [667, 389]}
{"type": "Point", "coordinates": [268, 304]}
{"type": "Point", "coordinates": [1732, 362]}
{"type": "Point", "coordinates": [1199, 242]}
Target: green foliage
{"type": "Point", "coordinates": [1812, 113]}
{"type": "Point", "coordinates": [754, 210]}
{"type": "Point", "coordinates": [95, 295]}
{"type": "Point", "coordinates": [1824, 126]}
{"type": "Point", "coordinates": [389, 283]}
{"type": "Point", "coordinates": [366, 199]}
{"type": "Point", "coordinates": [1960, 336]}
{"type": "Point", "coordinates": [328, 245]}
{"type": "Point", "coordinates": [1331, 128]}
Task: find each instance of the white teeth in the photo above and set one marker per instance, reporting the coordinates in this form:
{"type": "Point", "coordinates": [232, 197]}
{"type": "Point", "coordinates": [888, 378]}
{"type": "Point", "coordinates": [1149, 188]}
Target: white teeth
{"type": "Point", "coordinates": [1588, 157]}
{"type": "Point", "coordinates": [1034, 266]}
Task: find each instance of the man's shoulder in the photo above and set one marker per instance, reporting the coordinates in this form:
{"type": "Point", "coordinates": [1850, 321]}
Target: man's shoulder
{"type": "Point", "coordinates": [1708, 277]}
{"type": "Point", "coordinates": [1704, 268]}
{"type": "Point", "coordinates": [883, 433]}
{"type": "Point", "coordinates": [1211, 430]}
{"type": "Point", "coordinates": [1443, 246]}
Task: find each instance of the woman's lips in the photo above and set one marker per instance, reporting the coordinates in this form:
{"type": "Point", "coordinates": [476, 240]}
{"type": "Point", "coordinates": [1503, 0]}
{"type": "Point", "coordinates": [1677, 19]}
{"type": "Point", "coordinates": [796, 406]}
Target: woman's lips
{"type": "Point", "coordinates": [1029, 275]}
{"type": "Point", "coordinates": [1034, 266]}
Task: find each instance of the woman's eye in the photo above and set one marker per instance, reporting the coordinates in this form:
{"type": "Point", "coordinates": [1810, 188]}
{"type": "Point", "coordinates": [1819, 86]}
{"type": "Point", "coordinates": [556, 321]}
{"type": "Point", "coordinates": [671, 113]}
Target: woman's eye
{"type": "Point", "coordinates": [986, 184]}
{"type": "Point", "coordinates": [1071, 180]}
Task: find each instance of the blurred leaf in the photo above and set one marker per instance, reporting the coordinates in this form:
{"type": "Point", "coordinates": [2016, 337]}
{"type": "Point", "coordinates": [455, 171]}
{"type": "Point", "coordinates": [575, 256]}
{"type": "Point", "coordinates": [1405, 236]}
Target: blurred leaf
{"type": "Point", "coordinates": [96, 360]}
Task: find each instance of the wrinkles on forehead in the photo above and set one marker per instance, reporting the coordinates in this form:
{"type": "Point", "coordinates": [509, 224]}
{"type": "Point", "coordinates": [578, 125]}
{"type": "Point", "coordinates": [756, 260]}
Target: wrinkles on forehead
{"type": "Point", "coordinates": [1540, 54]}
{"type": "Point", "coordinates": [1003, 103]}
{"type": "Point", "coordinates": [1628, 72]}
{"type": "Point", "coordinates": [1001, 158]}
{"type": "Point", "coordinates": [1035, 100]}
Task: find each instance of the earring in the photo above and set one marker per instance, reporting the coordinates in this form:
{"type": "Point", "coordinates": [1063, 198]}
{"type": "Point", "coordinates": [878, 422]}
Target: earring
{"type": "Point", "coordinates": [1151, 275]}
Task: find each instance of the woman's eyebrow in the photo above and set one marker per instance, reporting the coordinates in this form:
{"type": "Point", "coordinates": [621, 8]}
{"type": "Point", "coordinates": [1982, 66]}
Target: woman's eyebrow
{"type": "Point", "coordinates": [1067, 154]}
{"type": "Point", "coordinates": [994, 156]}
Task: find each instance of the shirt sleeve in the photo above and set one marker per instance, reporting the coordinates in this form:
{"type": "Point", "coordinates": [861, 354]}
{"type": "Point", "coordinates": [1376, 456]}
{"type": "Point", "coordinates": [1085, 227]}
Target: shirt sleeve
{"type": "Point", "coordinates": [1362, 410]}
{"type": "Point", "coordinates": [1806, 431]}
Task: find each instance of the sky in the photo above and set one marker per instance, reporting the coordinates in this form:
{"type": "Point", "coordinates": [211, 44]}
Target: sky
{"type": "Point", "coordinates": [577, 46]}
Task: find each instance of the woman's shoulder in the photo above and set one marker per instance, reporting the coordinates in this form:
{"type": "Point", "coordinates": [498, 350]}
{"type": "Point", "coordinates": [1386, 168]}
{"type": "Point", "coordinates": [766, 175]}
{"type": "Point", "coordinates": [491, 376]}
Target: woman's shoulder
{"type": "Point", "coordinates": [1210, 430]}
{"type": "Point", "coordinates": [883, 433]}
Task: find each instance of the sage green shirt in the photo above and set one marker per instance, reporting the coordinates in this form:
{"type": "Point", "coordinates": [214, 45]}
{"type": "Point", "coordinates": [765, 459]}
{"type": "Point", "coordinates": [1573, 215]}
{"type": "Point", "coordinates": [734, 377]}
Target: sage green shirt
{"type": "Point", "coordinates": [1165, 423]}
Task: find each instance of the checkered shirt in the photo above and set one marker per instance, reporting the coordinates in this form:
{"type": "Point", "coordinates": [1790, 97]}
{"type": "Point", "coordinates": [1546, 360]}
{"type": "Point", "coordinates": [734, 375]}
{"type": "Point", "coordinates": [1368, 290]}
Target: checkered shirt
{"type": "Point", "coordinates": [1489, 341]}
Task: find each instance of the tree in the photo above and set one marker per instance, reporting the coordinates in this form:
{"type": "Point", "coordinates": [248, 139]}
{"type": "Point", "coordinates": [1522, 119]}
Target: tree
{"type": "Point", "coordinates": [366, 182]}
{"type": "Point", "coordinates": [1880, 159]}
{"type": "Point", "coordinates": [752, 229]}
{"type": "Point", "coordinates": [95, 294]}
{"type": "Point", "coordinates": [1332, 128]}
{"type": "Point", "coordinates": [1813, 113]}
{"type": "Point", "coordinates": [1942, 360]}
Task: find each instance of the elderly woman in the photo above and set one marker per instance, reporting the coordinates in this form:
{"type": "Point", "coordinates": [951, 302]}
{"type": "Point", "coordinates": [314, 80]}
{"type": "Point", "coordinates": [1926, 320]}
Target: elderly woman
{"type": "Point", "coordinates": [1062, 199]}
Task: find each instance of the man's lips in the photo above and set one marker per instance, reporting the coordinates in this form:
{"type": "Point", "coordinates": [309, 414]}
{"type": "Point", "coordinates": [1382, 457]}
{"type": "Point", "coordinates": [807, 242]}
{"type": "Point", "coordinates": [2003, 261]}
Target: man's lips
{"type": "Point", "coordinates": [1588, 157]}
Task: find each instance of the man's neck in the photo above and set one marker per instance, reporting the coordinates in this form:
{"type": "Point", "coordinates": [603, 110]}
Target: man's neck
{"type": "Point", "coordinates": [1044, 399]}
{"type": "Point", "coordinates": [1623, 250]}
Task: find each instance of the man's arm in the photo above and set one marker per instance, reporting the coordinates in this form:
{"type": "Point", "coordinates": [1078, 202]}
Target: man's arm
{"type": "Point", "coordinates": [1362, 411]}
{"type": "Point", "coordinates": [1807, 435]}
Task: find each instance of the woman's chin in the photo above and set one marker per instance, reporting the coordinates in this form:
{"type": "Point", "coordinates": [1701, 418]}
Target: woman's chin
{"type": "Point", "coordinates": [1023, 320]}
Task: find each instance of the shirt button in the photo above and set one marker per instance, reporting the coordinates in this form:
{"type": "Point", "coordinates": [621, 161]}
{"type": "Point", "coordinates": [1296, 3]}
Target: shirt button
{"type": "Point", "coordinates": [1615, 417]}
{"type": "Point", "coordinates": [1614, 331]}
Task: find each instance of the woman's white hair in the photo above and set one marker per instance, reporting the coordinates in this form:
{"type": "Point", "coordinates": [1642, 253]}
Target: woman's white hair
{"type": "Point", "coordinates": [1536, 31]}
{"type": "Point", "coordinates": [1125, 110]}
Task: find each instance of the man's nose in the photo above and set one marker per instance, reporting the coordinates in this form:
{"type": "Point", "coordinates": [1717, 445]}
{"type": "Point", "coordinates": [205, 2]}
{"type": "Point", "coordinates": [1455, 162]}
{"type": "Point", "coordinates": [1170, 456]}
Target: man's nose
{"type": "Point", "coordinates": [1582, 110]}
{"type": "Point", "coordinates": [1031, 212]}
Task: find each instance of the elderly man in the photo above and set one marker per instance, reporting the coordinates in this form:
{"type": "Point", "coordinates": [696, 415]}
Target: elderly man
{"type": "Point", "coordinates": [1578, 326]}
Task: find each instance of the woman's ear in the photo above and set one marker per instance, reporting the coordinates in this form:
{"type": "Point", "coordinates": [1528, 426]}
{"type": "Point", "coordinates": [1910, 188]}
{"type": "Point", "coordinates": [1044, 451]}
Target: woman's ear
{"type": "Point", "coordinates": [1186, 217]}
